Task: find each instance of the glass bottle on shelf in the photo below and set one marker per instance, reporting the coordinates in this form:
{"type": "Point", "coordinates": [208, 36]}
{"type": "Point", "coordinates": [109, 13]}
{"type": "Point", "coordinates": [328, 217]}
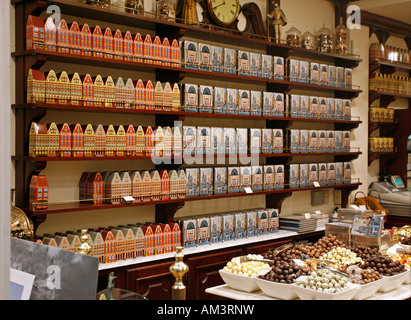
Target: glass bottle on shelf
{"type": "Point", "coordinates": [166, 10]}
{"type": "Point", "coordinates": [406, 56]}
{"type": "Point", "coordinates": [324, 40]}
{"type": "Point", "coordinates": [293, 36]}
{"type": "Point", "coordinates": [341, 39]}
{"type": "Point", "coordinates": [308, 40]}
{"type": "Point", "coordinates": [99, 3]}
{"type": "Point", "coordinates": [135, 7]}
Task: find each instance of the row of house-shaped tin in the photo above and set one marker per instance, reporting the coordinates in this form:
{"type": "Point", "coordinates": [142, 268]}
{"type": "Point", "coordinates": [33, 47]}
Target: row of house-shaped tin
{"type": "Point", "coordinates": [123, 242]}
{"type": "Point", "coordinates": [88, 91]}
{"type": "Point", "coordinates": [64, 140]}
{"type": "Point", "coordinates": [71, 38]}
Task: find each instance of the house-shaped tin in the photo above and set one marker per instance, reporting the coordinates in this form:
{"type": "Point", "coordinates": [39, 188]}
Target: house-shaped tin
{"type": "Point", "coordinates": [175, 235]}
{"type": "Point", "coordinates": [76, 89]}
{"type": "Point", "coordinates": [50, 35]}
{"type": "Point", "coordinates": [128, 46]}
{"type": "Point", "coordinates": [148, 240]}
{"type": "Point", "coordinates": [176, 98]}
{"type": "Point", "coordinates": [109, 246]}
{"type": "Point", "coordinates": [38, 139]}
{"type": "Point", "coordinates": [63, 37]}
{"type": "Point", "coordinates": [95, 188]}
{"type": "Point", "coordinates": [62, 242]}
{"type": "Point", "coordinates": [53, 140]}
{"type": "Point", "coordinates": [130, 243]}
{"type": "Point", "coordinates": [118, 45]}
{"type": "Point", "coordinates": [146, 185]}
{"type": "Point", "coordinates": [74, 241]}
{"type": "Point", "coordinates": [64, 92]}
{"type": "Point", "coordinates": [177, 142]}
{"type": "Point", "coordinates": [120, 93]}
{"type": "Point", "coordinates": [140, 141]}
{"type": "Point", "coordinates": [88, 90]}
{"type": "Point", "coordinates": [136, 186]}
{"type": "Point", "coordinates": [167, 142]}
{"type": "Point", "coordinates": [86, 43]}
{"type": "Point", "coordinates": [36, 86]}
{"type": "Point", "coordinates": [138, 51]}
{"type": "Point", "coordinates": [158, 141]}
{"type": "Point", "coordinates": [126, 184]}
{"type": "Point", "coordinates": [38, 192]}
{"type": "Point", "coordinates": [48, 241]}
{"type": "Point", "coordinates": [167, 96]}
{"type": "Point", "coordinates": [158, 239]}
{"type": "Point", "coordinates": [182, 178]}
{"type": "Point", "coordinates": [155, 185]}
{"type": "Point", "coordinates": [149, 140]}
{"type": "Point", "coordinates": [120, 244]}
{"type": "Point", "coordinates": [166, 52]}
{"type": "Point", "coordinates": [165, 185]}
{"type": "Point", "coordinates": [131, 149]}
{"type": "Point", "coordinates": [174, 187]}
{"type": "Point", "coordinates": [35, 33]}
{"type": "Point", "coordinates": [113, 188]}
{"type": "Point", "coordinates": [157, 51]}
{"type": "Point", "coordinates": [65, 140]}
{"type": "Point", "coordinates": [83, 186]}
{"type": "Point", "coordinates": [140, 95]}
{"type": "Point", "coordinates": [97, 42]}
{"type": "Point", "coordinates": [109, 92]}
{"type": "Point", "coordinates": [149, 95]}
{"type": "Point", "coordinates": [77, 140]}
{"type": "Point", "coordinates": [158, 96]}
{"type": "Point", "coordinates": [140, 239]}
{"type": "Point", "coordinates": [97, 245]}
{"type": "Point", "coordinates": [89, 140]}
{"type": "Point", "coordinates": [100, 141]}
{"type": "Point", "coordinates": [129, 94]}
{"type": "Point", "coordinates": [167, 238]}
{"type": "Point", "coordinates": [74, 38]}
{"type": "Point", "coordinates": [121, 141]}
{"type": "Point", "coordinates": [52, 87]}
{"type": "Point", "coordinates": [108, 44]}
{"type": "Point", "coordinates": [99, 91]}
{"type": "Point", "coordinates": [111, 140]}
{"type": "Point", "coordinates": [148, 50]}
{"type": "Point", "coordinates": [175, 54]}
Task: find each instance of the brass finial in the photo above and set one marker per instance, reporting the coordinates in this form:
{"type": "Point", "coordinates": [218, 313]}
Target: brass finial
{"type": "Point", "coordinates": [178, 269]}
{"type": "Point", "coordinates": [85, 247]}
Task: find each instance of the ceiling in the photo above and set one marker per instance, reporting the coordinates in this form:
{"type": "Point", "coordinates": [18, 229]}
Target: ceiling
{"type": "Point", "coordinates": [395, 9]}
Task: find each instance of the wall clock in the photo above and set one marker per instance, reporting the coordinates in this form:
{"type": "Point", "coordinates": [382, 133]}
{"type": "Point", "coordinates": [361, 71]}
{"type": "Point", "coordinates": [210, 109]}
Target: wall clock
{"type": "Point", "coordinates": [224, 12]}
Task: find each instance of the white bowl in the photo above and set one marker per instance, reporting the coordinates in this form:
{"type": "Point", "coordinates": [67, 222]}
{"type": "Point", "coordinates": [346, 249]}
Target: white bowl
{"type": "Point", "coordinates": [407, 247]}
{"type": "Point", "coordinates": [277, 290]}
{"type": "Point", "coordinates": [309, 294]}
{"type": "Point", "coordinates": [365, 291]}
{"type": "Point", "coordinates": [408, 277]}
{"type": "Point", "coordinates": [242, 283]}
{"type": "Point", "coordinates": [393, 282]}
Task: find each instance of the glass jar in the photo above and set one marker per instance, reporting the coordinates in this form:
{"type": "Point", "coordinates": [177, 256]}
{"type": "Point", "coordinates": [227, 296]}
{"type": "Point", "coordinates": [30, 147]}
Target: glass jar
{"type": "Point", "coordinates": [166, 10]}
{"type": "Point", "coordinates": [324, 40]}
{"type": "Point", "coordinates": [341, 39]}
{"type": "Point", "coordinates": [99, 3]}
{"type": "Point", "coordinates": [135, 7]}
{"type": "Point", "coordinates": [308, 40]}
{"type": "Point", "coordinates": [293, 36]}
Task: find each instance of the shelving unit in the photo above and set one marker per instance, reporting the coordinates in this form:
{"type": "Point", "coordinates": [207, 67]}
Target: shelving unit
{"type": "Point", "coordinates": [165, 210]}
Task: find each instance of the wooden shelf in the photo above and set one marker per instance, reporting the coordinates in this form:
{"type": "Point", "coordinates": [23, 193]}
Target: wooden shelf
{"type": "Point", "coordinates": [341, 122]}
{"type": "Point", "coordinates": [372, 156]}
{"type": "Point", "coordinates": [177, 74]}
{"type": "Point", "coordinates": [388, 67]}
{"type": "Point", "coordinates": [177, 30]}
{"type": "Point", "coordinates": [82, 206]}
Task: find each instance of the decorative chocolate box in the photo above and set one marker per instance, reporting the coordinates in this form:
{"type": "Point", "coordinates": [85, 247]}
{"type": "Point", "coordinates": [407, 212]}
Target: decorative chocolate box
{"type": "Point", "coordinates": [220, 100]}
{"type": "Point", "coordinates": [304, 106]}
{"type": "Point", "coordinates": [314, 107]}
{"type": "Point", "coordinates": [312, 173]}
{"type": "Point", "coordinates": [324, 74]}
{"type": "Point", "coordinates": [189, 140]}
{"type": "Point", "coordinates": [220, 180]}
{"type": "Point", "coordinates": [216, 227]}
{"type": "Point", "coordinates": [242, 140]}
{"type": "Point", "coordinates": [332, 75]}
{"type": "Point", "coordinates": [203, 140]}
{"type": "Point", "coordinates": [229, 226]}
{"type": "Point", "coordinates": [338, 114]}
{"type": "Point", "coordinates": [339, 173]}
{"type": "Point", "coordinates": [304, 71]}
{"type": "Point", "coordinates": [189, 232]}
{"type": "Point", "coordinates": [340, 77]}
{"type": "Point", "coordinates": [217, 59]}
{"type": "Point", "coordinates": [230, 140]}
{"type": "Point", "coordinates": [206, 99]}
{"type": "Point", "coordinates": [322, 141]}
{"type": "Point", "coordinates": [294, 140]}
{"type": "Point", "coordinates": [268, 103]}
{"type": "Point", "coordinates": [338, 136]}
{"type": "Point", "coordinates": [255, 140]}
{"type": "Point", "coordinates": [256, 103]}
{"type": "Point", "coordinates": [206, 181]}
{"type": "Point", "coordinates": [347, 172]}
{"type": "Point", "coordinates": [233, 177]}
{"type": "Point", "coordinates": [273, 220]}
{"type": "Point", "coordinates": [331, 173]}
{"type": "Point", "coordinates": [278, 68]}
{"type": "Point", "coordinates": [232, 101]}
{"type": "Point", "coordinates": [266, 66]}
{"type": "Point", "coordinates": [313, 141]}
{"type": "Point", "coordinates": [331, 141]}
{"type": "Point", "coordinates": [268, 177]}
{"type": "Point", "coordinates": [230, 61]}
{"type": "Point", "coordinates": [257, 178]}
{"type": "Point", "coordinates": [304, 138]}
{"type": "Point", "coordinates": [348, 77]}
{"type": "Point", "coordinates": [304, 175]}
{"type": "Point", "coordinates": [295, 105]}
{"type": "Point", "coordinates": [262, 222]}
{"type": "Point", "coordinates": [322, 174]}
{"type": "Point", "coordinates": [255, 64]}
{"type": "Point", "coordinates": [278, 141]}
{"type": "Point", "coordinates": [279, 107]}
{"type": "Point", "coordinates": [330, 108]}
{"type": "Point", "coordinates": [252, 224]}
{"type": "Point", "coordinates": [240, 225]}
{"type": "Point", "coordinates": [193, 181]}
{"type": "Point", "coordinates": [190, 97]}
{"type": "Point", "coordinates": [203, 231]}
{"type": "Point", "coordinates": [347, 109]}
{"type": "Point", "coordinates": [314, 73]}
{"type": "Point", "coordinates": [323, 107]}
{"type": "Point", "coordinates": [204, 56]}
{"type": "Point", "coordinates": [294, 70]}
{"type": "Point", "coordinates": [267, 141]}
{"type": "Point", "coordinates": [294, 176]}
{"type": "Point", "coordinates": [244, 102]}
{"type": "Point", "coordinates": [217, 140]}
{"type": "Point", "coordinates": [243, 61]}
{"type": "Point", "coordinates": [279, 176]}
{"type": "Point", "coordinates": [189, 51]}
{"type": "Point", "coordinates": [346, 142]}
{"type": "Point", "coordinates": [245, 178]}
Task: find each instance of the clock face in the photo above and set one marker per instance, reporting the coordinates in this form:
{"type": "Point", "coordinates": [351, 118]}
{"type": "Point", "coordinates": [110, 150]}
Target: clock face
{"type": "Point", "coordinates": [224, 12]}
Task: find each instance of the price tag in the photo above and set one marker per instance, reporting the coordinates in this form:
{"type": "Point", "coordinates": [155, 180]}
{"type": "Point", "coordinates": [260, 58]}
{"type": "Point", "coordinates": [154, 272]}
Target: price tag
{"type": "Point", "coordinates": [307, 215]}
{"type": "Point", "coordinates": [316, 184]}
{"type": "Point", "coordinates": [248, 190]}
{"type": "Point", "coordinates": [299, 262]}
{"type": "Point", "coordinates": [129, 199]}
{"type": "Point", "coordinates": [317, 212]}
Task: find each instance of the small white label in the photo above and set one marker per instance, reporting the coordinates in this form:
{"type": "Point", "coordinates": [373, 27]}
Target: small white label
{"type": "Point", "coordinates": [316, 184]}
{"type": "Point", "coordinates": [299, 262]}
{"type": "Point", "coordinates": [129, 199]}
{"type": "Point", "coordinates": [317, 212]}
{"type": "Point", "coordinates": [307, 215]}
{"type": "Point", "coordinates": [248, 190]}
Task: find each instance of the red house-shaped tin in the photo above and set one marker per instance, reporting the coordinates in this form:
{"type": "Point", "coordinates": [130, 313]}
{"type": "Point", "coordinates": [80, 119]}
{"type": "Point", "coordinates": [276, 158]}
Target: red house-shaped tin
{"type": "Point", "coordinates": [158, 239]}
{"type": "Point", "coordinates": [83, 186]}
{"type": "Point", "coordinates": [88, 90]}
{"type": "Point", "coordinates": [118, 45]}
{"type": "Point", "coordinates": [109, 246]}
{"type": "Point", "coordinates": [97, 42]}
{"type": "Point", "coordinates": [131, 149]}
{"type": "Point", "coordinates": [95, 188]}
{"type": "Point", "coordinates": [175, 235]}
{"type": "Point", "coordinates": [148, 240]}
{"type": "Point", "coordinates": [166, 52]}
{"type": "Point", "coordinates": [75, 38]}
{"type": "Point", "coordinates": [108, 44]}
{"type": "Point", "coordinates": [86, 43]}
{"type": "Point", "coordinates": [77, 140]}
{"type": "Point", "coordinates": [138, 51]}
{"type": "Point", "coordinates": [63, 37]}
{"type": "Point", "coordinates": [157, 51]}
{"type": "Point", "coordinates": [50, 35]}
{"type": "Point", "coordinates": [175, 54]}
{"type": "Point", "coordinates": [148, 49]}
{"type": "Point", "coordinates": [128, 45]}
{"type": "Point", "coordinates": [165, 185]}
{"type": "Point", "coordinates": [65, 140]}
{"type": "Point", "coordinates": [35, 33]}
{"type": "Point", "coordinates": [140, 95]}
{"type": "Point", "coordinates": [39, 192]}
